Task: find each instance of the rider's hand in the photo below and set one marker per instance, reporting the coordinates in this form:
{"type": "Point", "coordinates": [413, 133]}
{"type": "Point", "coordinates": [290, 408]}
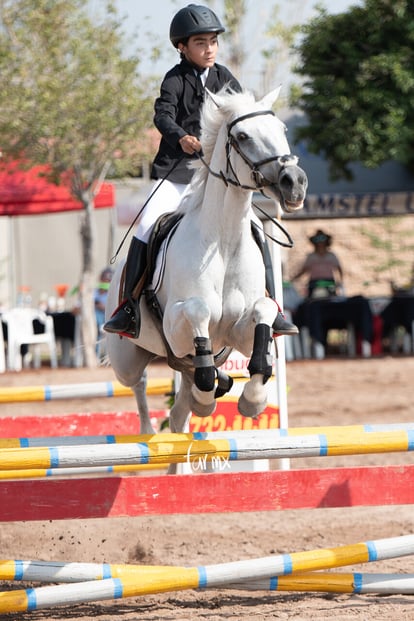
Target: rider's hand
{"type": "Point", "coordinates": [190, 144]}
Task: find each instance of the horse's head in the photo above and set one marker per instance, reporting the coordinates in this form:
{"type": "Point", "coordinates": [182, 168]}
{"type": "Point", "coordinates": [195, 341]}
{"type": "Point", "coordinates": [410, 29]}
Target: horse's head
{"type": "Point", "coordinates": [258, 156]}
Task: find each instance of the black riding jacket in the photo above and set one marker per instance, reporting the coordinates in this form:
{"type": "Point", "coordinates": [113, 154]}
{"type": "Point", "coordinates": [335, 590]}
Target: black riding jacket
{"type": "Point", "coordinates": [177, 113]}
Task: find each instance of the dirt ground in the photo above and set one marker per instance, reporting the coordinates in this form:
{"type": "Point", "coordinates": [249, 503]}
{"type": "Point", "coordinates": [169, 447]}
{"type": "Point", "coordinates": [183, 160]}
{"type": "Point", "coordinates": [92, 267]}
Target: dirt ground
{"type": "Point", "coordinates": [329, 392]}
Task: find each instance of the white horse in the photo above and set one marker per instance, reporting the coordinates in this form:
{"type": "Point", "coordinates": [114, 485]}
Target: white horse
{"type": "Point", "coordinates": [209, 284]}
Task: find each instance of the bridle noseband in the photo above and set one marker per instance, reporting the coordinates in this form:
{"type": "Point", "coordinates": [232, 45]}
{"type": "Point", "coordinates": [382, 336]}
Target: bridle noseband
{"type": "Point", "coordinates": [258, 178]}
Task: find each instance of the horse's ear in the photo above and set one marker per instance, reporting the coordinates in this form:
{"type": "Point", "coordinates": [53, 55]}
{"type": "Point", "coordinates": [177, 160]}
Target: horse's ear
{"type": "Point", "coordinates": [214, 98]}
{"type": "Point", "coordinates": [269, 99]}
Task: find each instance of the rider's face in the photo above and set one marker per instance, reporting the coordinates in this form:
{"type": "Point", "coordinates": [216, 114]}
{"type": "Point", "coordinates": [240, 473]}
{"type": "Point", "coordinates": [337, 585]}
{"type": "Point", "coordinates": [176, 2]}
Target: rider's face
{"type": "Point", "coordinates": [201, 49]}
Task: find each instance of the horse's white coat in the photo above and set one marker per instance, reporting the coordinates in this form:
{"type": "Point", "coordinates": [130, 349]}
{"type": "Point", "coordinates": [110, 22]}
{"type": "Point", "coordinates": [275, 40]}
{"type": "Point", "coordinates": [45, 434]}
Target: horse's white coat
{"type": "Point", "coordinates": [213, 285]}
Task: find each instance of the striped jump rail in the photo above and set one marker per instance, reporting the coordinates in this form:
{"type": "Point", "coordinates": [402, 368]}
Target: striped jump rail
{"type": "Point", "coordinates": [224, 447]}
{"type": "Point", "coordinates": [331, 582]}
{"type": "Point", "coordinates": [329, 432]}
{"type": "Point", "coordinates": [23, 394]}
{"type": "Point", "coordinates": [164, 579]}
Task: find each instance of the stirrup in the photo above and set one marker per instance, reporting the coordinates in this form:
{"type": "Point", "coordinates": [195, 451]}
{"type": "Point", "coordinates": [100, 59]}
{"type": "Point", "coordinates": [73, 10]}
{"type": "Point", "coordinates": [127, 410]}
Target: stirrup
{"type": "Point", "coordinates": [282, 327]}
{"type": "Point", "coordinates": [125, 320]}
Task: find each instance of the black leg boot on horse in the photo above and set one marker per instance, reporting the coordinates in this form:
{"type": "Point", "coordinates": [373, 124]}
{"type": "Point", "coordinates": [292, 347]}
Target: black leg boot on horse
{"type": "Point", "coordinates": [126, 319]}
{"type": "Point", "coordinates": [281, 326]}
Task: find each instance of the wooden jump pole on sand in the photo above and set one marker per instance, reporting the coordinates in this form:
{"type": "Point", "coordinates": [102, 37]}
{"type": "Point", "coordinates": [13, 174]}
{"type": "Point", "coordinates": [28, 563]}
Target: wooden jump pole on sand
{"type": "Point", "coordinates": [163, 579]}
{"type": "Point", "coordinates": [355, 582]}
{"type": "Point", "coordinates": [61, 572]}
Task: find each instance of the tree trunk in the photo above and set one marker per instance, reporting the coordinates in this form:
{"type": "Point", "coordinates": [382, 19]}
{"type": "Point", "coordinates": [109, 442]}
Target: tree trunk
{"type": "Point", "coordinates": [87, 284]}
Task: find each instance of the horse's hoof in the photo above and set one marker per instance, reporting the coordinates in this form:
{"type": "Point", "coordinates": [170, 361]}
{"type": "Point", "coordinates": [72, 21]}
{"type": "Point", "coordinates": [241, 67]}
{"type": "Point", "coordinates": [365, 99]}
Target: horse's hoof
{"type": "Point", "coordinates": [203, 411]}
{"type": "Point", "coordinates": [202, 404]}
{"type": "Point", "coordinates": [249, 409]}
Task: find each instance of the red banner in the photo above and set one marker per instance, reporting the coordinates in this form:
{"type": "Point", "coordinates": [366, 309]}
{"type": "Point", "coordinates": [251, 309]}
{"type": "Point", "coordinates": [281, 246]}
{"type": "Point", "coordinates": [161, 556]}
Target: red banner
{"type": "Point", "coordinates": [228, 418]}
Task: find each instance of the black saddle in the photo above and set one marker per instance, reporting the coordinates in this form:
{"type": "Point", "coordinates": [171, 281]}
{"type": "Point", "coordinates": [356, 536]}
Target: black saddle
{"type": "Point", "coordinates": [160, 231]}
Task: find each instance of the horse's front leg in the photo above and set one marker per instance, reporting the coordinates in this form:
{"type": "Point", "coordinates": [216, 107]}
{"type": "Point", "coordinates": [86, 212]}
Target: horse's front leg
{"type": "Point", "coordinates": [253, 399]}
{"type": "Point", "coordinates": [186, 328]}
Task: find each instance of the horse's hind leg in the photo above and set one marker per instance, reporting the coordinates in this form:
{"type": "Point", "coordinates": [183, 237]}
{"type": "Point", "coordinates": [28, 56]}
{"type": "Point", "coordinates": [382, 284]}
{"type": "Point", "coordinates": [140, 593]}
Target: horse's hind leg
{"type": "Point", "coordinates": [129, 363]}
{"type": "Point", "coordinates": [140, 391]}
{"type": "Point", "coordinates": [180, 412]}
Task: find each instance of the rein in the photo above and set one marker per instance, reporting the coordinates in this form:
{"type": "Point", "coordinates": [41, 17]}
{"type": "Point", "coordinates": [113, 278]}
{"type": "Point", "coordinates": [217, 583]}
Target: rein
{"type": "Point", "coordinates": [121, 243]}
{"type": "Point", "coordinates": [290, 243]}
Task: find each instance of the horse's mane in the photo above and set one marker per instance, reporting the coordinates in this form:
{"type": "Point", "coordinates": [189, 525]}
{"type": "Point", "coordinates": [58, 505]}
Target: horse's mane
{"type": "Point", "coordinates": [231, 104]}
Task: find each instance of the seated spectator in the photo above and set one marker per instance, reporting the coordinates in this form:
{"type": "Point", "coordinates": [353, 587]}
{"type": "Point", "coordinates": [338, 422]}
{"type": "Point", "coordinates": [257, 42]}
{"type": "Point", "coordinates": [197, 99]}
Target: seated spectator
{"type": "Point", "coordinates": [322, 267]}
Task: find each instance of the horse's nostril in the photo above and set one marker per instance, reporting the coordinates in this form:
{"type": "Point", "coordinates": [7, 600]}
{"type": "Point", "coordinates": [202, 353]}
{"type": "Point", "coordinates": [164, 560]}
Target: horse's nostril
{"type": "Point", "coordinates": [286, 181]}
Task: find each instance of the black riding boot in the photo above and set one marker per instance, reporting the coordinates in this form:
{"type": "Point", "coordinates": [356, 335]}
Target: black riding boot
{"type": "Point", "coordinates": [280, 325]}
{"type": "Point", "coordinates": [126, 319]}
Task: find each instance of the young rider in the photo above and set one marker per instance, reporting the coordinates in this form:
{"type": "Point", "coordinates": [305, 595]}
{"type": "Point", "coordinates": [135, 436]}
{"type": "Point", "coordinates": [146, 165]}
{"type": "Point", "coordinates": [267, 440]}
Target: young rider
{"type": "Point", "coordinates": [194, 32]}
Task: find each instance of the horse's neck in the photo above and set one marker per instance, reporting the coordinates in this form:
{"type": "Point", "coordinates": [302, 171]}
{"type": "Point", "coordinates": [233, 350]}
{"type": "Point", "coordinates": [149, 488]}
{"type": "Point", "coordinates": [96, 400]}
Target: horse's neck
{"type": "Point", "coordinates": [225, 214]}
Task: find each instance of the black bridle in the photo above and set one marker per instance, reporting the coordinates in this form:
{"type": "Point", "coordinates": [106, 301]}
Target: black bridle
{"type": "Point", "coordinates": [258, 178]}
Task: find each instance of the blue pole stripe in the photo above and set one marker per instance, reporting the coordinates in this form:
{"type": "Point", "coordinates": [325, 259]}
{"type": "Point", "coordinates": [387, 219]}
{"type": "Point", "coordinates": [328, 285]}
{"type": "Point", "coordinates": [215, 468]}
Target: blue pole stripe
{"type": "Point", "coordinates": [109, 389]}
{"type": "Point", "coordinates": [323, 443]}
{"type": "Point", "coordinates": [410, 434]}
{"type": "Point", "coordinates": [110, 439]}
{"type": "Point", "coordinates": [372, 551]}
{"type": "Point", "coordinates": [31, 599]}
{"type": "Point", "coordinates": [106, 571]}
{"type": "Point", "coordinates": [273, 583]}
{"type": "Point", "coordinates": [199, 435]}
{"type": "Point", "coordinates": [202, 577]}
{"type": "Point", "coordinates": [233, 449]}
{"type": "Point", "coordinates": [48, 393]}
{"type": "Point", "coordinates": [118, 588]}
{"type": "Point", "coordinates": [357, 583]}
{"type": "Point", "coordinates": [18, 570]}
{"type": "Point", "coordinates": [287, 564]}
{"type": "Point", "coordinates": [54, 457]}
{"type": "Point", "coordinates": [24, 442]}
{"type": "Point", "coordinates": [49, 472]}
{"type": "Point", "coordinates": [144, 452]}
{"type": "Point", "coordinates": [283, 433]}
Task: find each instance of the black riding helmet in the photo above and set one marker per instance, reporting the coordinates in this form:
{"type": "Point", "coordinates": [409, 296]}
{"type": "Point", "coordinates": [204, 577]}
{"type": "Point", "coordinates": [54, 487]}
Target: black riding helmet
{"type": "Point", "coordinates": [191, 20]}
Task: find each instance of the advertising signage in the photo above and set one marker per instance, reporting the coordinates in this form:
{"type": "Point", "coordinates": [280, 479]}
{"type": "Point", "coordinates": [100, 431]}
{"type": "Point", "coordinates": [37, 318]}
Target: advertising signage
{"type": "Point", "coordinates": [355, 205]}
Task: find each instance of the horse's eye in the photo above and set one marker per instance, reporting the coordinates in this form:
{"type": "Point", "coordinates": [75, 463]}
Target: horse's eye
{"type": "Point", "coordinates": [242, 136]}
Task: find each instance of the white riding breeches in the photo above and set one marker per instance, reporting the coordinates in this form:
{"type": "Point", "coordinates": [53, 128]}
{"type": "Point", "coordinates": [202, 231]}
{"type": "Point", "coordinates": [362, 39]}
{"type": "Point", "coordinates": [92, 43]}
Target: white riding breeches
{"type": "Point", "coordinates": [165, 197]}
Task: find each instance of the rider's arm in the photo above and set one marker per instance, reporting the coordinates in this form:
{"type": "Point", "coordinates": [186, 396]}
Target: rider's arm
{"type": "Point", "coordinates": [167, 109]}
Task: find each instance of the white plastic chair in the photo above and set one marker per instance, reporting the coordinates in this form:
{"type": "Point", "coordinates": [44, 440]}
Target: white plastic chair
{"type": "Point", "coordinates": [20, 331]}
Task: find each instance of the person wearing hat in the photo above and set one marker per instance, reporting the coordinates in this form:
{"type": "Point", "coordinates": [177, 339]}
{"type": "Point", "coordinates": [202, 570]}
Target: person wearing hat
{"type": "Point", "coordinates": [322, 267]}
{"type": "Point", "coordinates": [194, 33]}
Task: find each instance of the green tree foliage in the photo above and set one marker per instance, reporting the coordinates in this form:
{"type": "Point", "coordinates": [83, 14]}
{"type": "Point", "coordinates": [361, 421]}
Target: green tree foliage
{"type": "Point", "coordinates": [358, 88]}
{"type": "Point", "coordinates": [234, 15]}
{"type": "Point", "coordinates": [71, 100]}
{"type": "Point", "coordinates": [278, 55]}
